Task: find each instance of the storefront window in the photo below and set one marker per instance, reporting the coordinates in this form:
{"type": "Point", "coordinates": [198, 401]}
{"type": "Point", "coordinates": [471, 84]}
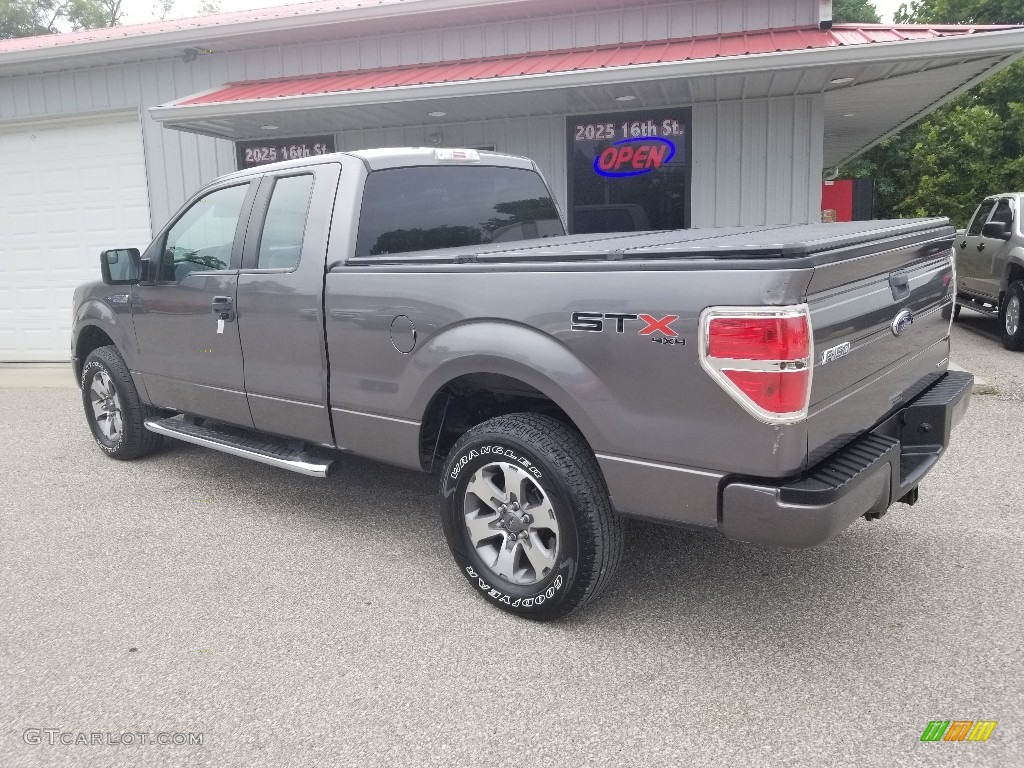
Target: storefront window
{"type": "Point", "coordinates": [629, 171]}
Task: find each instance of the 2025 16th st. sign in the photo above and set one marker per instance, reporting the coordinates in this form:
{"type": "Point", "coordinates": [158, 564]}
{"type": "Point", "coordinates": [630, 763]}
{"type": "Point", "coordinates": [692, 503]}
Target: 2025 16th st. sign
{"type": "Point", "coordinates": [249, 154]}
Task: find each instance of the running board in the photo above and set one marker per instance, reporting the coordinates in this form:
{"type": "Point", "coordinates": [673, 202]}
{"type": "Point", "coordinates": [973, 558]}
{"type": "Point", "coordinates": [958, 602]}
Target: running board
{"type": "Point", "coordinates": [277, 452]}
{"type": "Point", "coordinates": [978, 305]}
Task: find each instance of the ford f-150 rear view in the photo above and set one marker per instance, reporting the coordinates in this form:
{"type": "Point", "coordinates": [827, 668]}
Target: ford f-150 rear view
{"type": "Point", "coordinates": [425, 308]}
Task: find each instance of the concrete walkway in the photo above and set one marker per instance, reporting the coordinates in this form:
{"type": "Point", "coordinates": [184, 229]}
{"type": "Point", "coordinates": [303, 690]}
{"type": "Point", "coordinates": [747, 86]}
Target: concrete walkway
{"type": "Point", "coordinates": [36, 376]}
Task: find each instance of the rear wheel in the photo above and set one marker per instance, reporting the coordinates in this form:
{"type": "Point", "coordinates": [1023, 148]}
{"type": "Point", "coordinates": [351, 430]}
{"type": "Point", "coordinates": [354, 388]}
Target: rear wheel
{"type": "Point", "coordinates": [1011, 327]}
{"type": "Point", "coordinates": [527, 516]}
{"type": "Point", "coordinates": [113, 408]}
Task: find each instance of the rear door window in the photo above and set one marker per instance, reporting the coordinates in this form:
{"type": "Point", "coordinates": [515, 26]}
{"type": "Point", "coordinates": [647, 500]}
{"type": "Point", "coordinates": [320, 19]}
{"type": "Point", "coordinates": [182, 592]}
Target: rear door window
{"type": "Point", "coordinates": [427, 207]}
{"type": "Point", "coordinates": [285, 223]}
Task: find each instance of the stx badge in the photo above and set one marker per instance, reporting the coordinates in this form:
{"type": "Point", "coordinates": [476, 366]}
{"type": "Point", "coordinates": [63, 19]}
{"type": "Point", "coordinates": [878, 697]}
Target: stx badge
{"type": "Point", "coordinates": [596, 322]}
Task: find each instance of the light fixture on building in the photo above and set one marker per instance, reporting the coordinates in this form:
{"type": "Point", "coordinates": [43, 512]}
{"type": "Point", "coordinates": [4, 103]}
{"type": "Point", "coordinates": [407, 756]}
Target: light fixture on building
{"type": "Point", "coordinates": [841, 81]}
{"type": "Point", "coordinates": [627, 97]}
{"type": "Point", "coordinates": [850, 114]}
{"type": "Point", "coordinates": [436, 114]}
{"type": "Point", "coordinates": [191, 54]}
{"type": "Point", "coordinates": [268, 127]}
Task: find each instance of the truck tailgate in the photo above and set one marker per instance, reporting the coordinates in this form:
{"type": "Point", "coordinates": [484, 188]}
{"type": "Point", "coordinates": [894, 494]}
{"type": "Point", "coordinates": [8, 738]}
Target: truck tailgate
{"type": "Point", "coordinates": [880, 337]}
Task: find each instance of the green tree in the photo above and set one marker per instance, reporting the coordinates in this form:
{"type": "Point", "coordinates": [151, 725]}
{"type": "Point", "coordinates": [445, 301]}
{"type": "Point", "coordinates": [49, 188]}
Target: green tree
{"type": "Point", "coordinates": [25, 18]}
{"type": "Point", "coordinates": [965, 150]}
{"type": "Point", "coordinates": [960, 12]}
{"type": "Point", "coordinates": [855, 12]}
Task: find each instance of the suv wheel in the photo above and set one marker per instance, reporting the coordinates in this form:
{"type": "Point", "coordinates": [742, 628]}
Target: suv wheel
{"type": "Point", "coordinates": [527, 516]}
{"type": "Point", "coordinates": [113, 408]}
{"type": "Point", "coordinates": [1011, 327]}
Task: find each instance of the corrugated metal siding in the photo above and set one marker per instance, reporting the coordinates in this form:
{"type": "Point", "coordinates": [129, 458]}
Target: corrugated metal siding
{"type": "Point", "coordinates": [754, 162]}
{"type": "Point", "coordinates": [757, 161]}
{"type": "Point", "coordinates": [179, 163]}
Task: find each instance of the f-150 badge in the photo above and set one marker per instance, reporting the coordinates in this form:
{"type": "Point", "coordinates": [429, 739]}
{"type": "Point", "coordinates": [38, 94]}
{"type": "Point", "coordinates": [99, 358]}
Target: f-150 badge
{"type": "Point", "coordinates": [834, 353]}
{"type": "Point", "coordinates": [597, 322]}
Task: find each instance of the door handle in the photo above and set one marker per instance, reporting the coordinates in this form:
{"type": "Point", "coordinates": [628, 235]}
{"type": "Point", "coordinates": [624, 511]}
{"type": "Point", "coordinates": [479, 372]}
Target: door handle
{"type": "Point", "coordinates": [963, 244]}
{"type": "Point", "coordinates": [224, 307]}
{"type": "Point", "coordinates": [981, 246]}
{"type": "Point", "coordinates": [899, 284]}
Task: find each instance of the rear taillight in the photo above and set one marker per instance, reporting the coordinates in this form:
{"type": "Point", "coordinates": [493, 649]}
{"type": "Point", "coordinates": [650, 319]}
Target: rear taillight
{"type": "Point", "coordinates": [761, 357]}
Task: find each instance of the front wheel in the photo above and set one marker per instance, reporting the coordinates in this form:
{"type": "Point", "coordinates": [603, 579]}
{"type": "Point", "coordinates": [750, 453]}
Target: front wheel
{"type": "Point", "coordinates": [1012, 330]}
{"type": "Point", "coordinates": [113, 408]}
{"type": "Point", "coordinates": [527, 516]}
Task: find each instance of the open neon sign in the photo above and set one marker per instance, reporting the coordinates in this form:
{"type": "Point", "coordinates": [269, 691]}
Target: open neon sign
{"type": "Point", "coordinates": [634, 157]}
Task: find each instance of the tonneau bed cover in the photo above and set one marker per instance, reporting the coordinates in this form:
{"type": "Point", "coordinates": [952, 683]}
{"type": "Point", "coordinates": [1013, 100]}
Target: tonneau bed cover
{"type": "Point", "coordinates": [810, 243]}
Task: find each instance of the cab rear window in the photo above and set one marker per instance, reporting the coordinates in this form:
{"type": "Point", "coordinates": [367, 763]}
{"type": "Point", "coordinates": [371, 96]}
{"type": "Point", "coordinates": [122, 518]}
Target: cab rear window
{"type": "Point", "coordinates": [428, 207]}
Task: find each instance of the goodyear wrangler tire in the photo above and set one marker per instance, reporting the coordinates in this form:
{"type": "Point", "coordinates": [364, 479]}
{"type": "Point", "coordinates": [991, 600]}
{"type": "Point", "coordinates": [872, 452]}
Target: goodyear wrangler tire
{"type": "Point", "coordinates": [527, 516]}
{"type": "Point", "coordinates": [113, 408]}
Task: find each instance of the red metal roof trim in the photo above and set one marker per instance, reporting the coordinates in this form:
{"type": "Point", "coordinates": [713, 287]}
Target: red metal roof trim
{"type": "Point", "coordinates": [575, 59]}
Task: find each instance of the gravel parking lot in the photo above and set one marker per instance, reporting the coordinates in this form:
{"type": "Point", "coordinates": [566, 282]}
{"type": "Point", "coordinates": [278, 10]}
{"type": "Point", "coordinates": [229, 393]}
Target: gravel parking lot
{"type": "Point", "coordinates": [294, 621]}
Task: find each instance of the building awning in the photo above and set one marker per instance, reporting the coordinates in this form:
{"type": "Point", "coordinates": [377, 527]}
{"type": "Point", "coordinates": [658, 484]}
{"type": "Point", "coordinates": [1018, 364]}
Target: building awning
{"type": "Point", "coordinates": [909, 69]}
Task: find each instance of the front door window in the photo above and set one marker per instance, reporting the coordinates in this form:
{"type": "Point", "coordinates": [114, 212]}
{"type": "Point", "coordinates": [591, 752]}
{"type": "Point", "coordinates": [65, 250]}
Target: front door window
{"type": "Point", "coordinates": [1003, 213]}
{"type": "Point", "coordinates": [981, 217]}
{"type": "Point", "coordinates": [203, 237]}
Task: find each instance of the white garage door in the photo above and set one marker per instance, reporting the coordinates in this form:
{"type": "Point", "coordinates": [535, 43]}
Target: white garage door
{"type": "Point", "coordinates": [68, 190]}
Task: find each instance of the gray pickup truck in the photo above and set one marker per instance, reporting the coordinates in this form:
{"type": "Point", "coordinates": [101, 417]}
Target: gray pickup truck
{"type": "Point", "coordinates": [424, 308]}
{"type": "Point", "coordinates": [990, 262]}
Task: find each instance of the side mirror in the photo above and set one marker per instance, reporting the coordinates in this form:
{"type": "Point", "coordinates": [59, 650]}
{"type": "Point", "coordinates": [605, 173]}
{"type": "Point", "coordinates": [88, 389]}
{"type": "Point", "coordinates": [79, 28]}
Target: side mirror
{"type": "Point", "coordinates": [120, 266]}
{"type": "Point", "coordinates": [997, 230]}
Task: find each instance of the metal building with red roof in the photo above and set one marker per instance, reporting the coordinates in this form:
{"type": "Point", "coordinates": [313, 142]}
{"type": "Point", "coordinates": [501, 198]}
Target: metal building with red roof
{"type": "Point", "coordinates": [104, 133]}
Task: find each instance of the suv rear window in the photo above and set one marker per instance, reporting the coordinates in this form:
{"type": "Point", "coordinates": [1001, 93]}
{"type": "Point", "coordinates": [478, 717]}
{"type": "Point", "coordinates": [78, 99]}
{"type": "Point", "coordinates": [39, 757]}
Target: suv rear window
{"type": "Point", "coordinates": [427, 207]}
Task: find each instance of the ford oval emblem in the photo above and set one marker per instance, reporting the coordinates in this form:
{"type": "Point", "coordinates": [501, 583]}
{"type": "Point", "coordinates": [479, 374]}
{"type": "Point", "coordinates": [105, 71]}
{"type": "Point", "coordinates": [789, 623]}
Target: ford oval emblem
{"type": "Point", "coordinates": [902, 321]}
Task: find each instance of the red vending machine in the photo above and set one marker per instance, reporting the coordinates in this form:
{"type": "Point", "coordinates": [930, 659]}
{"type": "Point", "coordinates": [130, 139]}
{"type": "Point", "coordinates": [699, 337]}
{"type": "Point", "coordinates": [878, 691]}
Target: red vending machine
{"type": "Point", "coordinates": [847, 200]}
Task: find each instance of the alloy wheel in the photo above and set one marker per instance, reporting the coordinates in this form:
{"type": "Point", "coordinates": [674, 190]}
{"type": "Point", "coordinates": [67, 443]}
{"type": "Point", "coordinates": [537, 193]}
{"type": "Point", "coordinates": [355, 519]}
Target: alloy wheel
{"type": "Point", "coordinates": [1012, 319]}
{"type": "Point", "coordinates": [511, 523]}
{"type": "Point", "coordinates": [106, 406]}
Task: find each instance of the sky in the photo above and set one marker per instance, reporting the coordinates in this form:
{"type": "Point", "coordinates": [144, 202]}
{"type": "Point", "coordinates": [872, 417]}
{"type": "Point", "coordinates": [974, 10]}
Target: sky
{"type": "Point", "coordinates": [140, 11]}
{"type": "Point", "coordinates": [886, 8]}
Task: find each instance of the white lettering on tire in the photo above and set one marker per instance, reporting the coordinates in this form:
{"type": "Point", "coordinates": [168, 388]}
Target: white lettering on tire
{"type": "Point", "coordinates": [475, 453]}
{"type": "Point", "coordinates": [524, 602]}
